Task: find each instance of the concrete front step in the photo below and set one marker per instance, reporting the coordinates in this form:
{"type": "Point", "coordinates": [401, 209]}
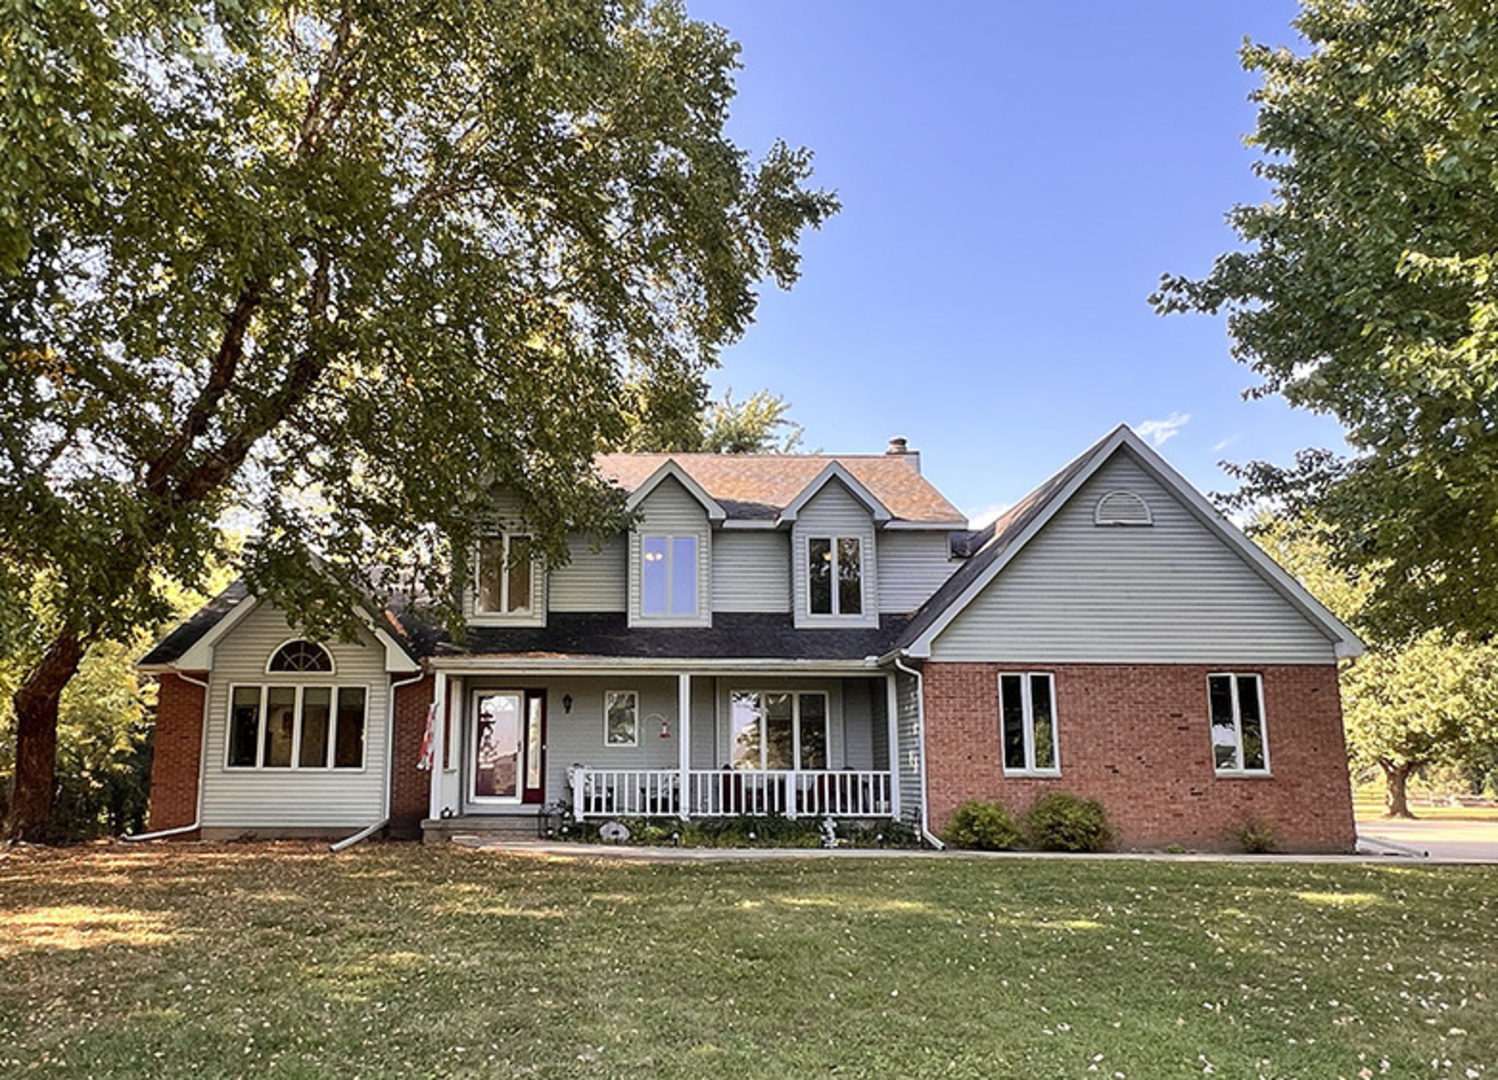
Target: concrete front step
{"type": "Point", "coordinates": [523, 826]}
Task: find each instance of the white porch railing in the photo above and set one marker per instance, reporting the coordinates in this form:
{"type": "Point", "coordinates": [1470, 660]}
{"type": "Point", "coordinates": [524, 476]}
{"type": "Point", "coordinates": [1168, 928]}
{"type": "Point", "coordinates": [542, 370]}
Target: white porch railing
{"type": "Point", "coordinates": [730, 793]}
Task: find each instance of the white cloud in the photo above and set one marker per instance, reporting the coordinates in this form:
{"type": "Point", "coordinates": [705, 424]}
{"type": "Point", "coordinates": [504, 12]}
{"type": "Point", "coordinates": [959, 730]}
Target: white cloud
{"type": "Point", "coordinates": [1225, 443]}
{"type": "Point", "coordinates": [1161, 431]}
{"type": "Point", "coordinates": [977, 519]}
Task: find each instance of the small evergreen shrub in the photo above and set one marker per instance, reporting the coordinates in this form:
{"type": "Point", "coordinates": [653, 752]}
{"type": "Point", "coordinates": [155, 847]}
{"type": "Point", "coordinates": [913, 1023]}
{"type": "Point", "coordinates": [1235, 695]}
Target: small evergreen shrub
{"type": "Point", "coordinates": [1257, 837]}
{"type": "Point", "coordinates": [981, 826]}
{"type": "Point", "coordinates": [1060, 821]}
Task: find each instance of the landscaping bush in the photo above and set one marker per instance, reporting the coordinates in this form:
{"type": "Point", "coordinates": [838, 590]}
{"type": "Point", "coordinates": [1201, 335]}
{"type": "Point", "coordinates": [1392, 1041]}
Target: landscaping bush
{"type": "Point", "coordinates": [1257, 837]}
{"type": "Point", "coordinates": [1061, 821]}
{"type": "Point", "coordinates": [981, 826]}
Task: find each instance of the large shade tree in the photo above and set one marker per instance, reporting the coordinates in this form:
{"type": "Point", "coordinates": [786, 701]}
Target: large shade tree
{"type": "Point", "coordinates": [1367, 288]}
{"type": "Point", "coordinates": [338, 268]}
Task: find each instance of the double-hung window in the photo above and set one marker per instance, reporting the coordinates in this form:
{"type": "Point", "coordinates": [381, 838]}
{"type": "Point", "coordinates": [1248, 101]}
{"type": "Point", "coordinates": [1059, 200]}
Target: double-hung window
{"type": "Point", "coordinates": [779, 730]}
{"type": "Point", "coordinates": [1027, 722]}
{"type": "Point", "coordinates": [834, 575]}
{"type": "Point", "coordinates": [1236, 703]}
{"type": "Point", "coordinates": [668, 576]}
{"type": "Point", "coordinates": [505, 575]}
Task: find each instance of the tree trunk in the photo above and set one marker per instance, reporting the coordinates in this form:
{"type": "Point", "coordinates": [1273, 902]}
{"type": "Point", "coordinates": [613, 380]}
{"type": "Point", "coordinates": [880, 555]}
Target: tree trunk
{"type": "Point", "coordinates": [1396, 801]}
{"type": "Point", "coordinates": [36, 740]}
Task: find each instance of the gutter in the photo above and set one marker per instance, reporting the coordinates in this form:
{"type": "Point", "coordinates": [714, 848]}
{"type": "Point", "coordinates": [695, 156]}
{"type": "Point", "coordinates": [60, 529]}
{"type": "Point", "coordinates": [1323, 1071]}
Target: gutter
{"type": "Point", "coordinates": [197, 813]}
{"type": "Point", "coordinates": [363, 834]}
{"type": "Point", "coordinates": [370, 830]}
{"type": "Point", "coordinates": [920, 712]}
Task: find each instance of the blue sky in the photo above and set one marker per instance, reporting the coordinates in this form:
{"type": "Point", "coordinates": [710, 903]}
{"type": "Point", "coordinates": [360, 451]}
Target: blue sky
{"type": "Point", "coordinates": [1015, 177]}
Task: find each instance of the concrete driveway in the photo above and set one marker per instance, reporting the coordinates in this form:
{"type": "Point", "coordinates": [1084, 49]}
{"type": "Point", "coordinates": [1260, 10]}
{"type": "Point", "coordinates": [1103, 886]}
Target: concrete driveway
{"type": "Point", "coordinates": [1447, 841]}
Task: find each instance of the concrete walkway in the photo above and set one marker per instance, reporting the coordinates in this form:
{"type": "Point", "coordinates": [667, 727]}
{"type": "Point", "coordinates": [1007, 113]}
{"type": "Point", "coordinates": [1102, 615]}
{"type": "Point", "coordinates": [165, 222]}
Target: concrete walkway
{"type": "Point", "coordinates": [1432, 840]}
{"type": "Point", "coordinates": [1369, 850]}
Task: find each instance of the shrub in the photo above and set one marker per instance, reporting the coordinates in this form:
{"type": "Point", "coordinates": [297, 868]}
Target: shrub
{"type": "Point", "coordinates": [1060, 821]}
{"type": "Point", "coordinates": [981, 826]}
{"type": "Point", "coordinates": [1257, 837]}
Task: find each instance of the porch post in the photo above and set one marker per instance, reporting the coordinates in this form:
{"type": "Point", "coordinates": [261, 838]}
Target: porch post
{"type": "Point", "coordinates": [684, 742]}
{"type": "Point", "coordinates": [892, 754]}
{"type": "Point", "coordinates": [439, 743]}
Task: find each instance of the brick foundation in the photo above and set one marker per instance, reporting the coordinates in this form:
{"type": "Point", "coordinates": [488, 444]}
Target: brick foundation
{"type": "Point", "coordinates": [1136, 738]}
{"type": "Point", "coordinates": [410, 786]}
{"type": "Point", "coordinates": [177, 750]}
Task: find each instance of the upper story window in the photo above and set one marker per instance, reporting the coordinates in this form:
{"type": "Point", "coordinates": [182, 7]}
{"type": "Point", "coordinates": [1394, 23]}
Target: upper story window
{"type": "Point", "coordinates": [506, 571]}
{"type": "Point", "coordinates": [1027, 718]}
{"type": "Point", "coordinates": [835, 575]}
{"type": "Point", "coordinates": [668, 576]}
{"type": "Point", "coordinates": [1237, 709]}
{"type": "Point", "coordinates": [297, 656]}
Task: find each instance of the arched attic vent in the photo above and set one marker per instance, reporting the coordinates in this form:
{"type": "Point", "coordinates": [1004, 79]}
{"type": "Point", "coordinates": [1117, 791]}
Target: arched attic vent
{"type": "Point", "coordinates": [1122, 508]}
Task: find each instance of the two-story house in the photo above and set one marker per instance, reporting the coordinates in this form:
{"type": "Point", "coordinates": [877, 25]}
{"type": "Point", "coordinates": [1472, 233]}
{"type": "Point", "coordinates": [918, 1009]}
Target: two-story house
{"type": "Point", "coordinates": [806, 635]}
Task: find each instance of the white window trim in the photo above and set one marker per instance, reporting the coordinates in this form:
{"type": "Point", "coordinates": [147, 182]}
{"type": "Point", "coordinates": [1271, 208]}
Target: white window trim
{"type": "Point", "coordinates": [296, 728]}
{"type": "Point", "coordinates": [796, 696]}
{"type": "Point", "coordinates": [1239, 771]}
{"type": "Point", "coordinates": [863, 578]}
{"type": "Point", "coordinates": [332, 660]}
{"type": "Point", "coordinates": [669, 615]}
{"type": "Point", "coordinates": [503, 611]}
{"type": "Point", "coordinates": [635, 694]}
{"type": "Point", "coordinates": [1027, 720]}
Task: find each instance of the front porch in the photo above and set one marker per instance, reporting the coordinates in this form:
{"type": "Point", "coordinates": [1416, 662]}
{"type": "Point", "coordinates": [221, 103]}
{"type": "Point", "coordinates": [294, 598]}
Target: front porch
{"type": "Point", "coordinates": [514, 743]}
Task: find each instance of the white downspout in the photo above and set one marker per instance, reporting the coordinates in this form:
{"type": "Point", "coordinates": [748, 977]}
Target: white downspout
{"type": "Point", "coordinates": [371, 829]}
{"type": "Point", "coordinates": [920, 713]}
{"type": "Point", "coordinates": [197, 812]}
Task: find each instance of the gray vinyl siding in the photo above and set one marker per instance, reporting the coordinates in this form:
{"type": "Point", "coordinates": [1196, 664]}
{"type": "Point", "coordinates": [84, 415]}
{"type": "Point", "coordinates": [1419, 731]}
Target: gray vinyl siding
{"type": "Point", "coordinates": [858, 723]}
{"type": "Point", "coordinates": [912, 566]}
{"type": "Point", "coordinates": [908, 732]}
{"type": "Point", "coordinates": [293, 798]}
{"type": "Point", "coordinates": [670, 510]}
{"type": "Point", "coordinates": [1171, 592]}
{"type": "Point", "coordinates": [752, 571]}
{"type": "Point", "coordinates": [879, 726]}
{"type": "Point", "coordinates": [833, 512]}
{"type": "Point", "coordinates": [704, 750]}
{"type": "Point", "coordinates": [592, 581]}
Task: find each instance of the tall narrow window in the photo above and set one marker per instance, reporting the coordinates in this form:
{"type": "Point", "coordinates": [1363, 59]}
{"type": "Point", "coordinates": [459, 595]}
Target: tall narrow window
{"type": "Point", "coordinates": [1027, 718]}
{"type": "Point", "coordinates": [1236, 705]}
{"type": "Point", "coordinates": [834, 575]}
{"type": "Point", "coordinates": [505, 575]}
{"type": "Point", "coordinates": [668, 576]}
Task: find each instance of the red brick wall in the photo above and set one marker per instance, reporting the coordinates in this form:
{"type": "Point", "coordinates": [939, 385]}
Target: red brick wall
{"type": "Point", "coordinates": [176, 753]}
{"type": "Point", "coordinates": [410, 786]}
{"type": "Point", "coordinates": [1136, 738]}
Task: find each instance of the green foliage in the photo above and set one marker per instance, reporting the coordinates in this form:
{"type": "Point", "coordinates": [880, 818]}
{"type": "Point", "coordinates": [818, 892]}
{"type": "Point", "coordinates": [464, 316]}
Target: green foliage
{"type": "Point", "coordinates": [1060, 821]}
{"type": "Point", "coordinates": [1407, 703]}
{"type": "Point", "coordinates": [756, 425]}
{"type": "Point", "coordinates": [1366, 287]}
{"type": "Point", "coordinates": [1257, 837]}
{"type": "Point", "coordinates": [342, 269]}
{"type": "Point", "coordinates": [983, 826]}
{"type": "Point", "coordinates": [347, 267]}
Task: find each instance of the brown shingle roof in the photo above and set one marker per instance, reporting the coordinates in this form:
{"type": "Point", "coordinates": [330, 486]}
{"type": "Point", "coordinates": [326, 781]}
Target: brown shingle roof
{"type": "Point", "coordinates": [761, 485]}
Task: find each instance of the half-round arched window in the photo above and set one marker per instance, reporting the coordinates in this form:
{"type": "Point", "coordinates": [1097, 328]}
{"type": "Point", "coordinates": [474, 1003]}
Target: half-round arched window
{"type": "Point", "coordinates": [301, 656]}
{"type": "Point", "coordinates": [1122, 508]}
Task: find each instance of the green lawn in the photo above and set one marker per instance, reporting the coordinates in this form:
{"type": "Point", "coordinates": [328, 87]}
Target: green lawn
{"type": "Point", "coordinates": [394, 960]}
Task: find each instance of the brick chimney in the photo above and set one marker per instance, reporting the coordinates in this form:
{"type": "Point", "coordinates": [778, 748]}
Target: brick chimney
{"type": "Point", "coordinates": [899, 447]}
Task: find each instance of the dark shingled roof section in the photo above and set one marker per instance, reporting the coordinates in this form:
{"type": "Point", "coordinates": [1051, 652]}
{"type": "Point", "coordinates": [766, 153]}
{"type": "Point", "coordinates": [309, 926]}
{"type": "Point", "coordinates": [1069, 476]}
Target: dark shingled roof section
{"type": "Point", "coordinates": [986, 545]}
{"type": "Point", "coordinates": [185, 636]}
{"type": "Point", "coordinates": [733, 636]}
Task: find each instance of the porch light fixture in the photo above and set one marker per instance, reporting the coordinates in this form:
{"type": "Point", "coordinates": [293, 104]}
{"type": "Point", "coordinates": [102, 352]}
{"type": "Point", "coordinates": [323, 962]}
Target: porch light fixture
{"type": "Point", "coordinates": [566, 703]}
